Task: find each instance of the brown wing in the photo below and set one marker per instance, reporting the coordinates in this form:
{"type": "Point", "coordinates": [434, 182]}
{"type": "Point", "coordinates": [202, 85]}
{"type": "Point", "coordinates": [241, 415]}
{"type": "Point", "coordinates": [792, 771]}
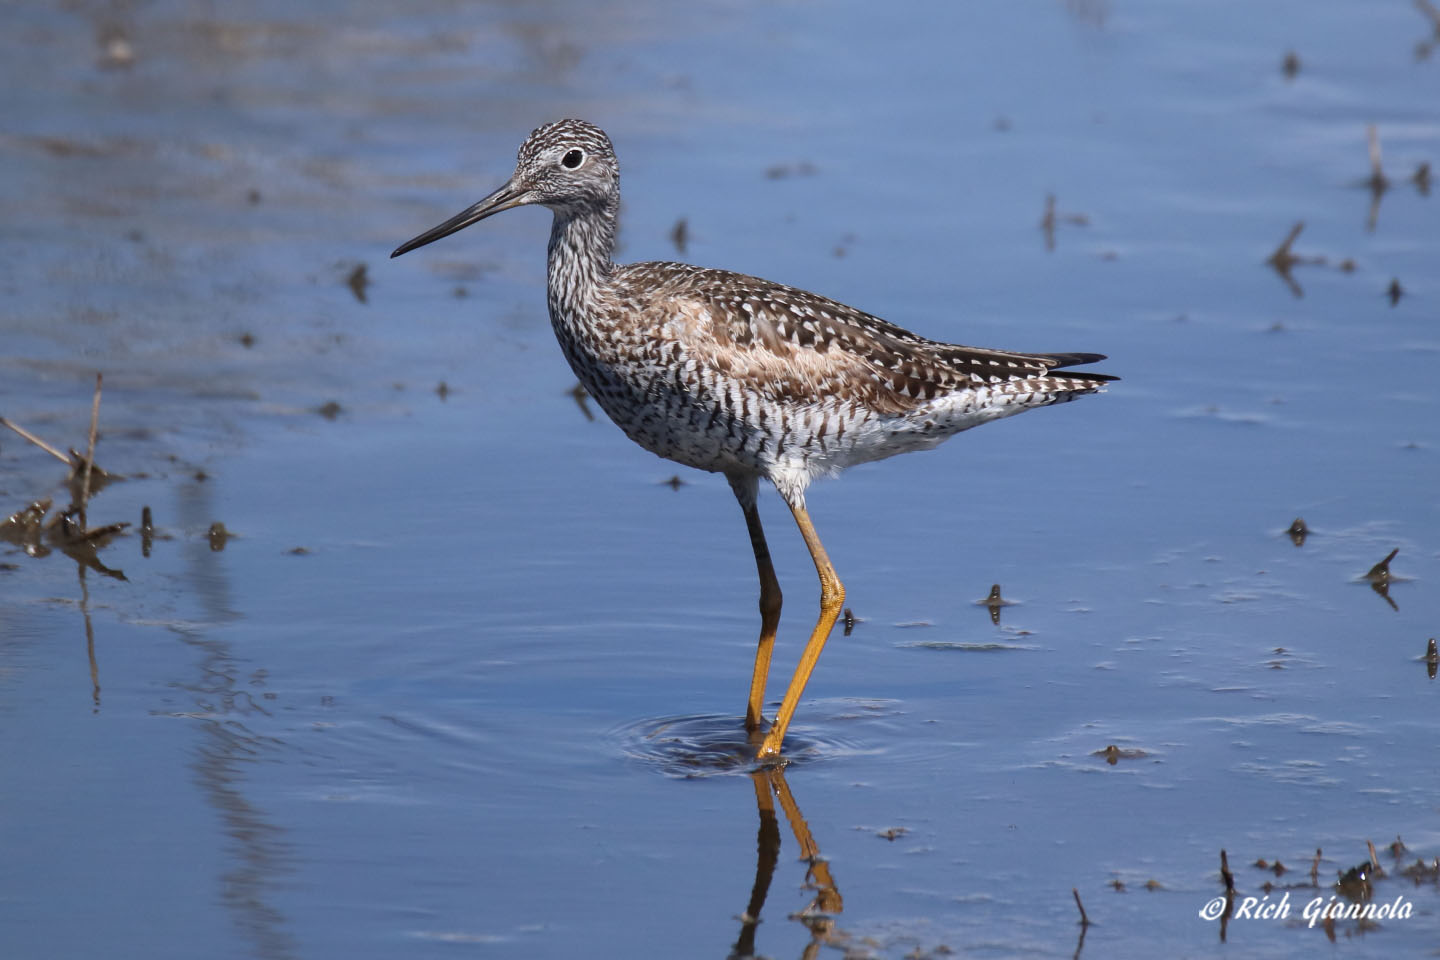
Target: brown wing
{"type": "Point", "coordinates": [793, 345]}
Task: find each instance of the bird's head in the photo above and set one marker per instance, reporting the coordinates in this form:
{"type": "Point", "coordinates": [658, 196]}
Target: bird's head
{"type": "Point", "coordinates": [568, 166]}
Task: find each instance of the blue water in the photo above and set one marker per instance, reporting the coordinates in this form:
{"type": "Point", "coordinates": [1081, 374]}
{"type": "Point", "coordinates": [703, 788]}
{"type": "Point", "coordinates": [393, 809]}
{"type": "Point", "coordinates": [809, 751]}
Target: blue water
{"type": "Point", "coordinates": [442, 692]}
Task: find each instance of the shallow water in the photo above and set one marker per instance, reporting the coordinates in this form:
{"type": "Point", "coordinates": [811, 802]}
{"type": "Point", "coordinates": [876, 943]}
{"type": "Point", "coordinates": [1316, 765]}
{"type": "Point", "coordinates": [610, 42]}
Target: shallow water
{"type": "Point", "coordinates": [468, 676]}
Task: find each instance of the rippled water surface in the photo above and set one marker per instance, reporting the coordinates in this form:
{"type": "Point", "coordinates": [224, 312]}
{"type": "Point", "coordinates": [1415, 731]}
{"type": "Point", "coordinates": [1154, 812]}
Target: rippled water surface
{"type": "Point", "coordinates": [465, 674]}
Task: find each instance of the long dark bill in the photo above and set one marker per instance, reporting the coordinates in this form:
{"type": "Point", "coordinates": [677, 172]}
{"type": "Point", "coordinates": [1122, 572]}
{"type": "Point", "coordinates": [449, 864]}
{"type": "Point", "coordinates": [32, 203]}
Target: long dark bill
{"type": "Point", "coordinates": [503, 199]}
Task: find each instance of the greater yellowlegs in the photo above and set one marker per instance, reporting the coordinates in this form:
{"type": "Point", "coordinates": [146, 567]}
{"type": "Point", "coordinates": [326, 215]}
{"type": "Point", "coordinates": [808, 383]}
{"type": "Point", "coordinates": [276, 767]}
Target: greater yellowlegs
{"type": "Point", "coordinates": [745, 377]}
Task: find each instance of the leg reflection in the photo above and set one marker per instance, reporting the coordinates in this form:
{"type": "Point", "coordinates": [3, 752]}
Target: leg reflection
{"type": "Point", "coordinates": [769, 785]}
{"type": "Point", "coordinates": [766, 854]}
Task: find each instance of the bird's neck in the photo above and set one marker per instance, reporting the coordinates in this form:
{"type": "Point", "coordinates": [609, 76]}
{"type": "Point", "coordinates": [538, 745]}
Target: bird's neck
{"type": "Point", "coordinates": [581, 241]}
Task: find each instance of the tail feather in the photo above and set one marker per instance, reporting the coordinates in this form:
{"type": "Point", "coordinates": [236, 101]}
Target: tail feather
{"type": "Point", "coordinates": [1060, 361]}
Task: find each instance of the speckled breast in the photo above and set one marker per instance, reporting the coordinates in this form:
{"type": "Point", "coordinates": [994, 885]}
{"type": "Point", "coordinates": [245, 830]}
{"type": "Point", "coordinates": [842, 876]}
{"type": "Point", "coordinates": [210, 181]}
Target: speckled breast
{"type": "Point", "coordinates": [681, 412]}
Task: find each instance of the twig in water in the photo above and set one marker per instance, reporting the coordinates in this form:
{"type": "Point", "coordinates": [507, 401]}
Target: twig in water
{"type": "Point", "coordinates": [1377, 182]}
{"type": "Point", "coordinates": [1084, 920]}
{"type": "Point", "coordinates": [1283, 260]}
{"type": "Point", "coordinates": [90, 451]}
{"type": "Point", "coordinates": [1051, 218]}
{"type": "Point", "coordinates": [1226, 874]}
{"type": "Point", "coordinates": [37, 441]}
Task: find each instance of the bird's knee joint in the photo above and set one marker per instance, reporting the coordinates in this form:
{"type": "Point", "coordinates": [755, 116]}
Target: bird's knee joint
{"type": "Point", "coordinates": [832, 593]}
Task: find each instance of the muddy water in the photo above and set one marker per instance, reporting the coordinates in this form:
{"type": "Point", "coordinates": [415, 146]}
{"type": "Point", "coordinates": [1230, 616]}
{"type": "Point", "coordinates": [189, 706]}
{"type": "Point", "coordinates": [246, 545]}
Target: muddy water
{"type": "Point", "coordinates": [467, 674]}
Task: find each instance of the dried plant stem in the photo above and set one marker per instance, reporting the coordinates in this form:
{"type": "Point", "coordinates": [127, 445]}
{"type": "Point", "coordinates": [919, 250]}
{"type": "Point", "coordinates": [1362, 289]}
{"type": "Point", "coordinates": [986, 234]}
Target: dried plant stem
{"type": "Point", "coordinates": [36, 440]}
{"type": "Point", "coordinates": [90, 451]}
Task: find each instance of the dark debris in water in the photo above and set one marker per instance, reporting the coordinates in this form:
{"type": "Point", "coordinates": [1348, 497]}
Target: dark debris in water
{"type": "Point", "coordinates": [1113, 754]}
{"type": "Point", "coordinates": [218, 536]}
{"type": "Point", "coordinates": [1051, 219]}
{"type": "Point", "coordinates": [1380, 578]}
{"type": "Point", "coordinates": [1357, 882]}
{"type": "Point", "coordinates": [994, 601]}
{"type": "Point", "coordinates": [1298, 531]}
{"type": "Point", "coordinates": [358, 280]}
{"type": "Point", "coordinates": [1421, 872]}
{"type": "Point", "coordinates": [1381, 570]}
{"type": "Point", "coordinates": [25, 526]}
{"type": "Point", "coordinates": [147, 530]}
{"type": "Point", "coordinates": [1283, 260]}
{"type": "Point", "coordinates": [783, 171]}
{"type": "Point", "coordinates": [1394, 291]}
{"type": "Point", "coordinates": [1354, 896]}
{"type": "Point", "coordinates": [67, 530]}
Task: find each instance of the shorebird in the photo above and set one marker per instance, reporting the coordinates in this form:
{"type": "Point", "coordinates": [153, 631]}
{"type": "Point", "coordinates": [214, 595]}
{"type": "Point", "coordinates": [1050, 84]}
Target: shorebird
{"type": "Point", "coordinates": [741, 376]}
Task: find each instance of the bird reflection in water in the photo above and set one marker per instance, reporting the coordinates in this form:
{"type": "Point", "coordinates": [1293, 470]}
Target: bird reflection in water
{"type": "Point", "coordinates": [818, 915]}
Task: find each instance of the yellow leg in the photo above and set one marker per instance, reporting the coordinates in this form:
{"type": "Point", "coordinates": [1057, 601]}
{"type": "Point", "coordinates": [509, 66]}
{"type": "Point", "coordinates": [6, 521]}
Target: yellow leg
{"type": "Point", "coordinates": [832, 598]}
{"type": "Point", "coordinates": [745, 491]}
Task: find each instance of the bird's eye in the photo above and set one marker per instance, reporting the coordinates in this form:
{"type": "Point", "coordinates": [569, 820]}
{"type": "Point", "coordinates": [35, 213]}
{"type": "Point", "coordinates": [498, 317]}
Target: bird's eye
{"type": "Point", "coordinates": [573, 159]}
